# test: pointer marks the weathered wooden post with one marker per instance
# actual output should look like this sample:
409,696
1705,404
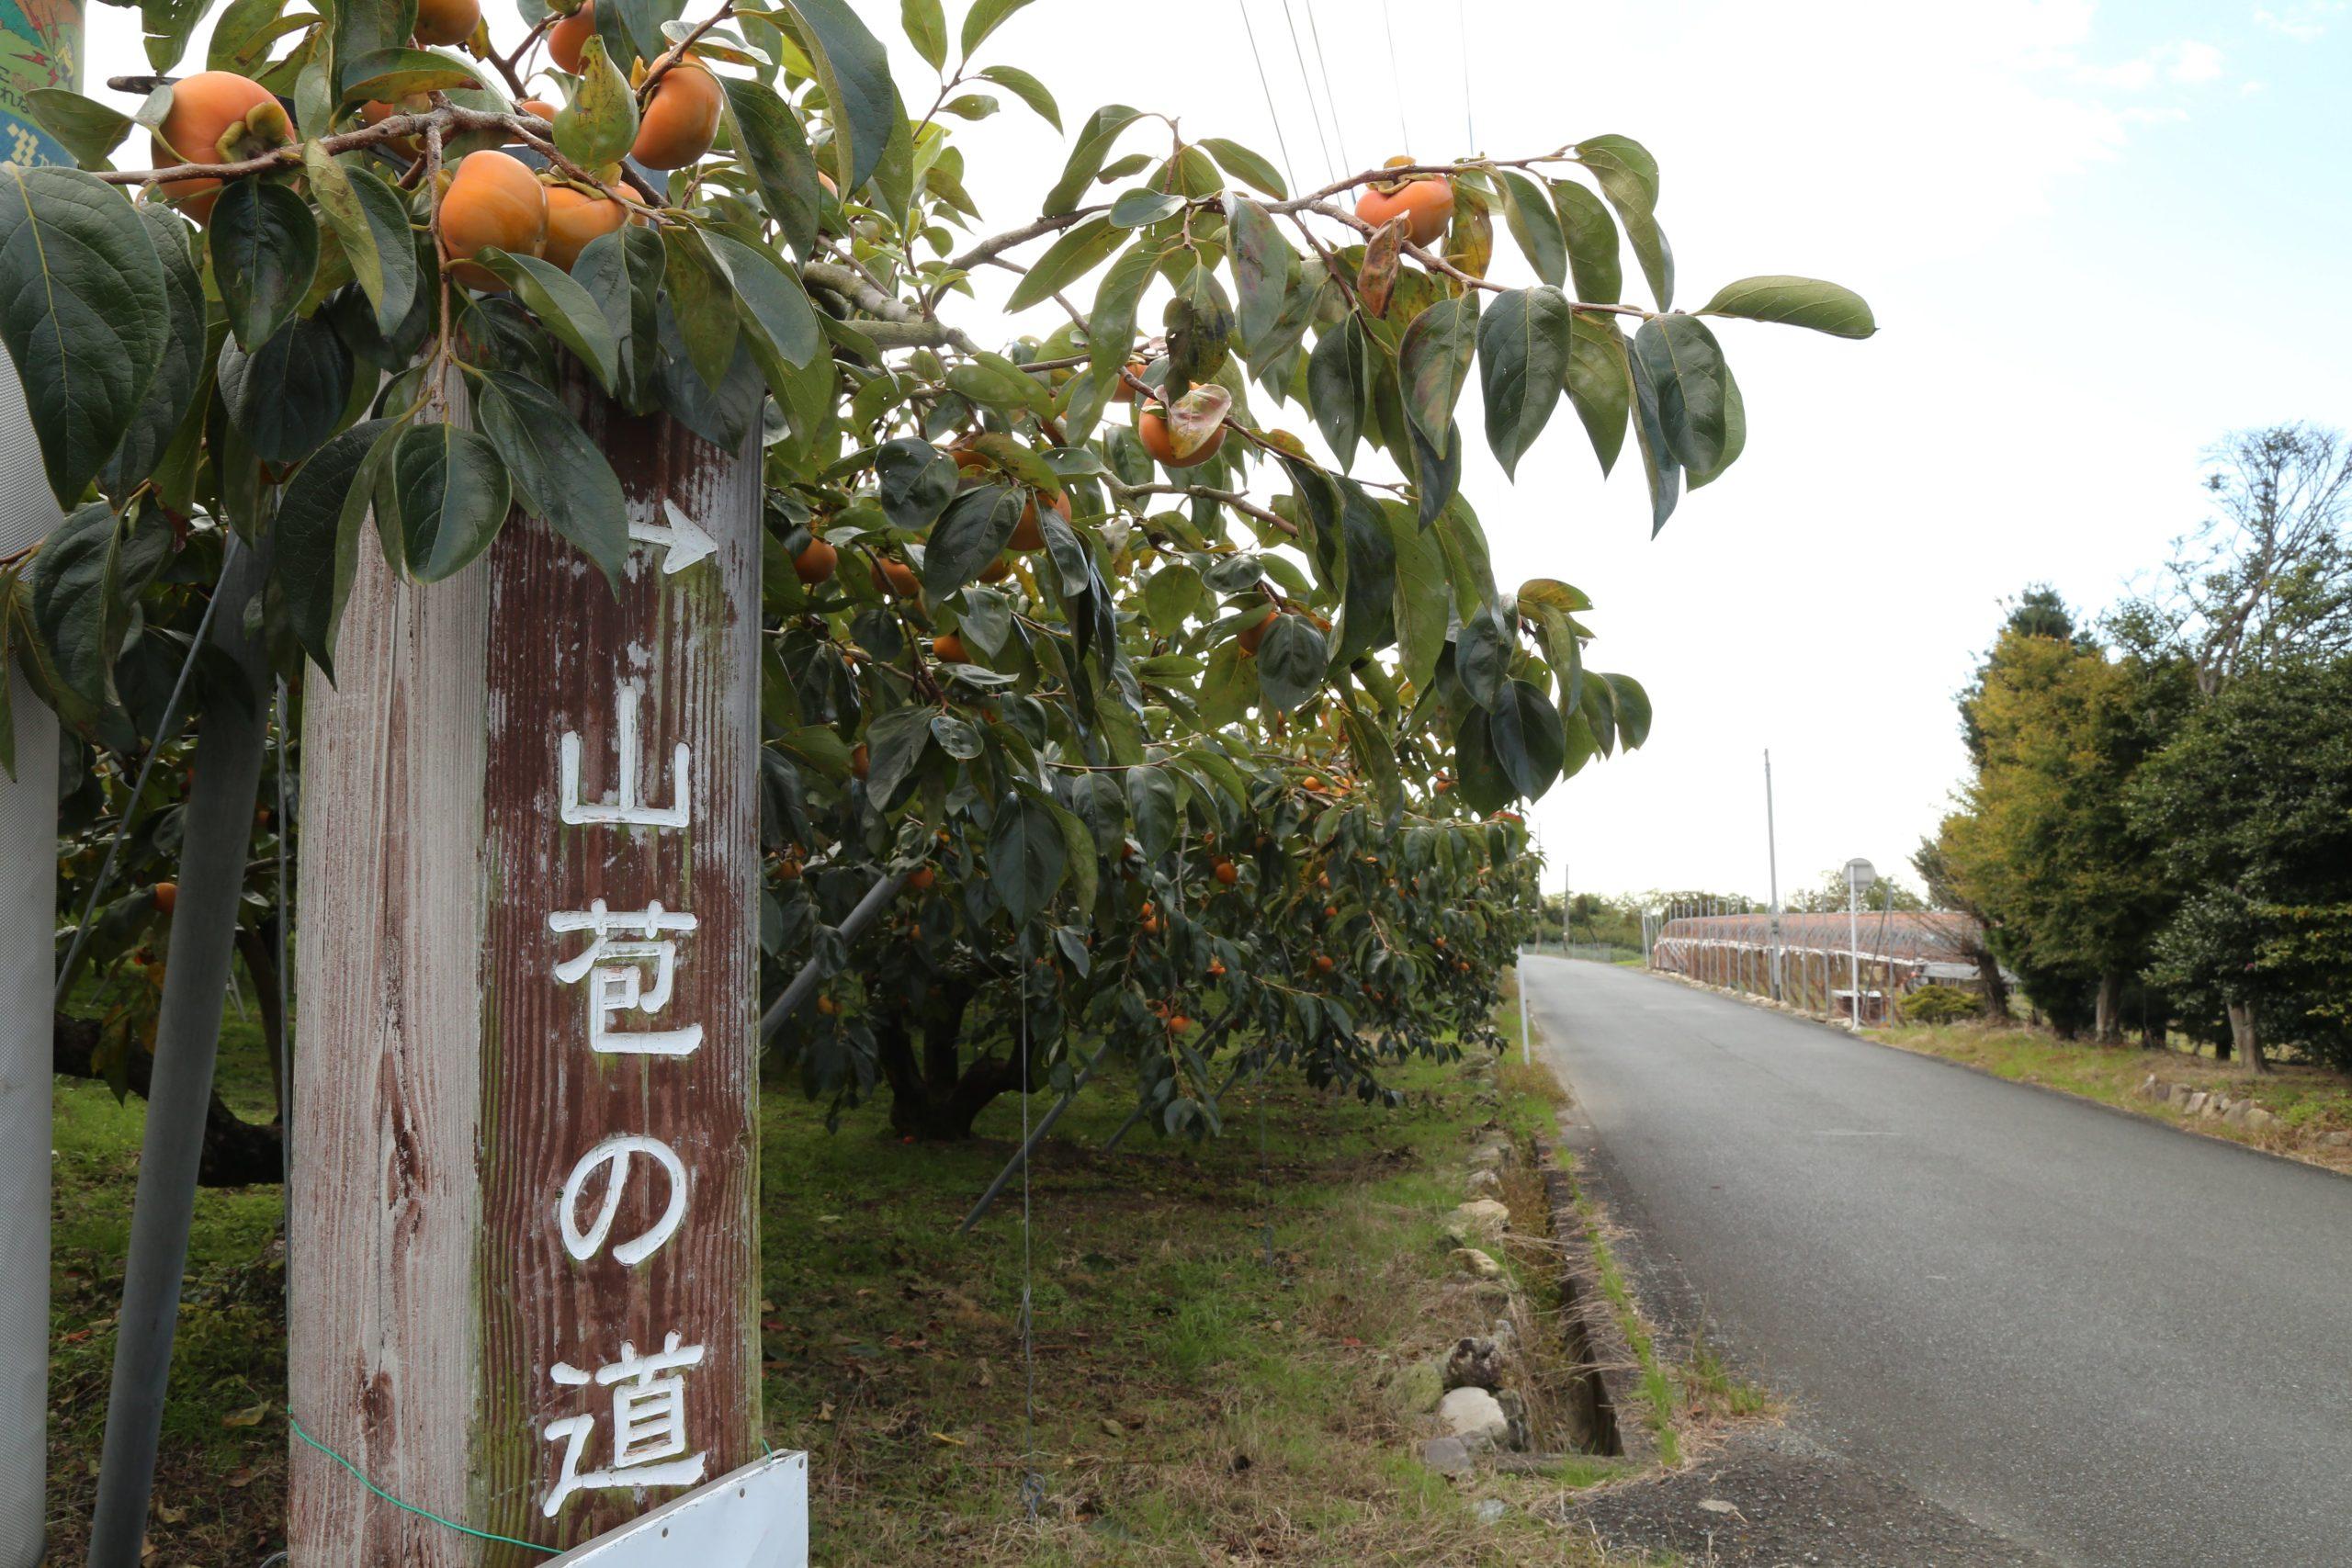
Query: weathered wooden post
523,1238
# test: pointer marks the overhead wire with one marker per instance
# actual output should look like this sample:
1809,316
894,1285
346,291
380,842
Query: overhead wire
1267,88
1298,52
1469,113
1396,78
1330,99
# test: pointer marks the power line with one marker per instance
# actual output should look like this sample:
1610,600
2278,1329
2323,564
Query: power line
1469,114
1298,52
1396,79
1323,66
1267,88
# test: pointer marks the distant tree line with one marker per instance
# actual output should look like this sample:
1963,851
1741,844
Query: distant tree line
2156,828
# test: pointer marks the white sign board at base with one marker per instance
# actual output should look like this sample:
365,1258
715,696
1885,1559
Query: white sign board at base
754,1517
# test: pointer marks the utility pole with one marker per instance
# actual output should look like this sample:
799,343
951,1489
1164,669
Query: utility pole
1772,859
27,951
1859,873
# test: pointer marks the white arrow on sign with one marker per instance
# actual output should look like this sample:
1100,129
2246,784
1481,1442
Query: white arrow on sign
682,537
753,1517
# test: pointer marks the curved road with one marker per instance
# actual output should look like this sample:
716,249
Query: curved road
2110,1341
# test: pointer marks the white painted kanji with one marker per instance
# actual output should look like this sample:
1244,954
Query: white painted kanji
647,1446
616,1158
628,805
615,969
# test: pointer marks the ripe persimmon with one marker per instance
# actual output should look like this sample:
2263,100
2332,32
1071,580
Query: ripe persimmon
815,564
1427,204
996,570
858,760
375,113
1324,964
1226,872
921,878
1029,533
216,117
540,107
948,649
897,578
569,36
1255,633
680,122
493,199
167,896
577,215
446,21
788,870
1151,429
1179,1024
827,1006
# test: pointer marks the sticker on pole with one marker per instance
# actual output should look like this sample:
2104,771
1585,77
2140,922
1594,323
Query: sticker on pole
753,1517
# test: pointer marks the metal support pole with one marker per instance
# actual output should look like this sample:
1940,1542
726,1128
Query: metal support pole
1772,859
1036,1136
868,908
1854,949
220,822
1526,1049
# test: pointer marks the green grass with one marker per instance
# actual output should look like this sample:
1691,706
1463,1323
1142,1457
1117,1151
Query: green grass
2308,1102
1194,1401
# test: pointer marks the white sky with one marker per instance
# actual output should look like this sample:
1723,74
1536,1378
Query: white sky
2096,237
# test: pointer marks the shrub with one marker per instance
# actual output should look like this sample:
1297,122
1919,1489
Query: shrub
1941,1004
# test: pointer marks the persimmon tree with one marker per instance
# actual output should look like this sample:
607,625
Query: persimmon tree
1193,731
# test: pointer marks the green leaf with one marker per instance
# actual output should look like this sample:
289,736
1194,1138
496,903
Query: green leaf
1265,267
1199,325
1142,207
1524,344
286,396
1599,385
264,247
1526,736
330,188
71,586
1026,857
1435,364
1424,600
1109,332
388,75
244,32
1591,236
1734,434
1482,654
855,71
1153,803
993,381
1080,250
1632,706
1229,687
314,540
1246,166
453,496
925,25
774,309
896,742
1798,302
917,480
1028,89
179,372
563,306
363,30
1292,657
599,124
1170,597
168,25
1628,177
1079,853
1086,157
1535,226
1659,467
971,533
83,126
703,302
622,272
1337,387
768,136
1685,365
558,473
83,310
985,17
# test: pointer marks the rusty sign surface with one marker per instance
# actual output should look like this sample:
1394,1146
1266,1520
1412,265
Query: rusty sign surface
619,1171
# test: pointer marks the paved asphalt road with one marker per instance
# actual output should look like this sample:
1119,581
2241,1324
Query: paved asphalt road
2107,1340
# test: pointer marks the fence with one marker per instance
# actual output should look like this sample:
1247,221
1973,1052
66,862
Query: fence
1807,961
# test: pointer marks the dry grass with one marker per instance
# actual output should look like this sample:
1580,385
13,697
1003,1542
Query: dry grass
2310,1102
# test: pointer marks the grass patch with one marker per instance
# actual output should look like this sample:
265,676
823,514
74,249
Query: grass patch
1214,1324
2311,1102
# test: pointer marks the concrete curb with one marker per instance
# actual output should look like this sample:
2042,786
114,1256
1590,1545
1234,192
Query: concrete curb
1594,1333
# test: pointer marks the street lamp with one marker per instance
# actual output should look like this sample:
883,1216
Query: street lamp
1859,873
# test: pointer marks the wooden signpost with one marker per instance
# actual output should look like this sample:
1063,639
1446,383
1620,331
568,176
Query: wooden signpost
524,1229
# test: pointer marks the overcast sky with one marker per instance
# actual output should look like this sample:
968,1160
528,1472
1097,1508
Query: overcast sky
2097,237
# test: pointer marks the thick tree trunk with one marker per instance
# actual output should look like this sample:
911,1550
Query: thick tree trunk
1995,988
2108,1018
937,1096
236,1153
2244,1035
